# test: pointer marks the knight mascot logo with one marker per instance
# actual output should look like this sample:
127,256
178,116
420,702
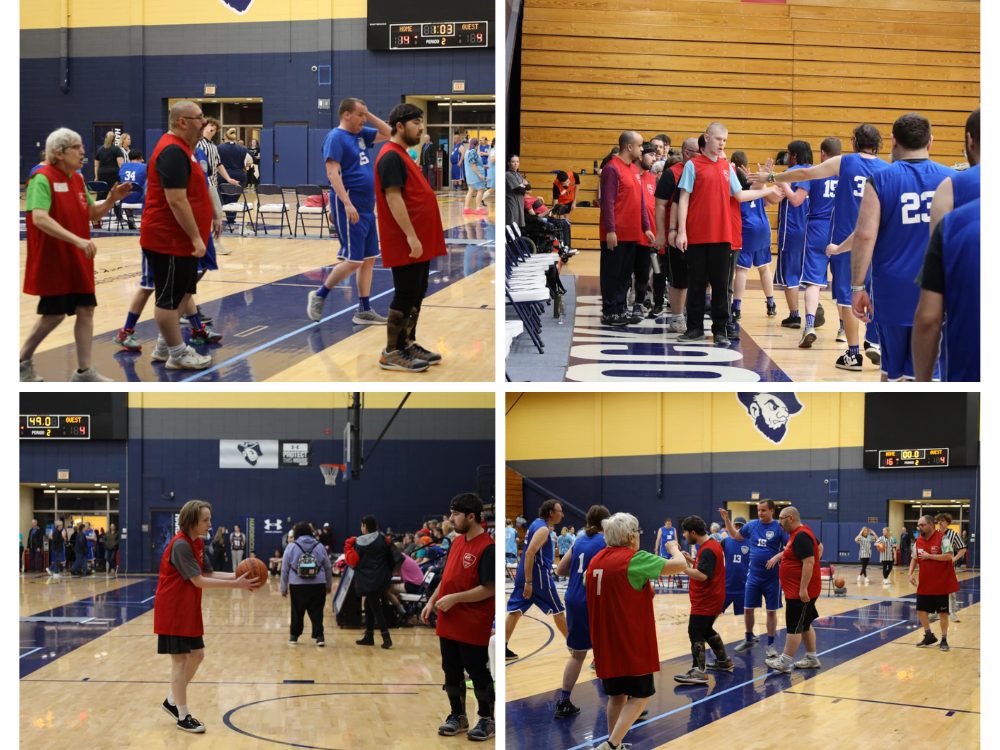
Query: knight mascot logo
771,412
240,6
251,452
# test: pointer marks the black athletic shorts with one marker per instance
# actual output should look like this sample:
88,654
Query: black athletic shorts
634,687
178,644
678,268
932,603
174,276
65,304
794,613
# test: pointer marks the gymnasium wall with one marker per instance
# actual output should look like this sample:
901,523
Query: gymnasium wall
772,72
676,454
125,61
440,445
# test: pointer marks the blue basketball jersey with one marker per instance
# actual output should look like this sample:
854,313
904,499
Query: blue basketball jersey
202,158
510,540
543,560
821,197
854,173
737,563
754,215
357,167
765,541
965,186
960,255
134,172
905,191
584,549
792,219
666,535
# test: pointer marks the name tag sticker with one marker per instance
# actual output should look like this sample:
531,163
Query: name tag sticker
61,187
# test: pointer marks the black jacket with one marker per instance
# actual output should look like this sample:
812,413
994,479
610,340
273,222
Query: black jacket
375,563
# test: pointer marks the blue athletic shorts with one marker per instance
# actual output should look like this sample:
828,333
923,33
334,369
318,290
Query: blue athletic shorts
816,260
897,352
357,241
207,262
543,595
790,258
756,250
579,625
840,268
736,598
770,590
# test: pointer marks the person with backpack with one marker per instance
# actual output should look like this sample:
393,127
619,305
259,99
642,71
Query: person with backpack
307,574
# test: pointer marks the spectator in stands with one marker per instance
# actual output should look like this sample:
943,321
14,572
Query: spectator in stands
517,187
326,538
306,574
274,564
237,545
107,161
253,171
36,543
564,188
220,549
510,543
373,560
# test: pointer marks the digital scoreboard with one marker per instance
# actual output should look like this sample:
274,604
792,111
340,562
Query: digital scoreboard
55,426
913,458
447,34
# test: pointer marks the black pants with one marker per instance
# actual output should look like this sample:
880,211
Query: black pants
307,598
457,659
864,566
410,284
708,264
564,229
733,255
886,568
616,276
660,278
641,264
700,632
374,613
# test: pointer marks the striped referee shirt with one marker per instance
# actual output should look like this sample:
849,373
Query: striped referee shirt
212,154
890,548
866,543
955,539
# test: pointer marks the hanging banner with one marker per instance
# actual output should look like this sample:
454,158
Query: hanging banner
248,454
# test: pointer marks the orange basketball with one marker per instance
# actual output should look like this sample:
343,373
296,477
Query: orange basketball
256,569
839,583
881,546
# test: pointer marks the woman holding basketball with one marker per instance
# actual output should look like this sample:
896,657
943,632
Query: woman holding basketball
184,571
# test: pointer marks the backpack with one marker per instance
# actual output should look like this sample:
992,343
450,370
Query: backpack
308,565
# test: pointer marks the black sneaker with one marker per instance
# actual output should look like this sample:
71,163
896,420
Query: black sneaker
172,710
367,640
733,331
874,353
848,361
320,643
484,730
619,320
737,314
565,709
696,335
820,317
656,312
929,640
453,725
792,321
944,647
772,309
635,316
606,320
725,665
511,656
720,339
191,724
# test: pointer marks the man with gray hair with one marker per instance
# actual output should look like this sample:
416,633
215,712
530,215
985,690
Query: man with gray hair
174,233
620,610
800,582
60,263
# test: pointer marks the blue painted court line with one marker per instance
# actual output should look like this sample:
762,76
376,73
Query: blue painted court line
677,709
109,610
29,653
552,635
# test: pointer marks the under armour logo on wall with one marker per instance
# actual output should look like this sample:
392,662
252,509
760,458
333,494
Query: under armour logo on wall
240,6
771,412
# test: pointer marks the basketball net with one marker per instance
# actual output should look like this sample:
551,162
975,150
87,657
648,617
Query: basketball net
330,472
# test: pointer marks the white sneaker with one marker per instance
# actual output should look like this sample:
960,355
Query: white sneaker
221,250
189,360
90,375
368,318
954,617
677,324
771,652
28,374
867,581
314,306
161,353
808,662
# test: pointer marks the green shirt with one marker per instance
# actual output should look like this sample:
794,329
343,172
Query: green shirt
643,567
40,194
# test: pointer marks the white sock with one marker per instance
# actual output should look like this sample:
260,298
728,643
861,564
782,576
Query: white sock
177,351
182,711
810,654
786,659
170,699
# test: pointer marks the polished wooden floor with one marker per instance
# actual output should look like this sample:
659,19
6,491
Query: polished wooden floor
781,345
107,692
458,318
878,695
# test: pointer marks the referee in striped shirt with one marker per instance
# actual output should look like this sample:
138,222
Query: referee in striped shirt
958,549
865,541
887,553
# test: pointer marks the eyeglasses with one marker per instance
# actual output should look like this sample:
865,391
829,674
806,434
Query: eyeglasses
199,116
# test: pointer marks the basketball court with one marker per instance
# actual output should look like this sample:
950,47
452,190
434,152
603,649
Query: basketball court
671,455
88,664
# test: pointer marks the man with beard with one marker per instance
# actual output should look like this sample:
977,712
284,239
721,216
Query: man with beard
409,224
464,603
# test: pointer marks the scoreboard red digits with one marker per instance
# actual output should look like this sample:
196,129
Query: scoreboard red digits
437,35
913,458
55,426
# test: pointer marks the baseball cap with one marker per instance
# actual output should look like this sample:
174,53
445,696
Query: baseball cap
739,521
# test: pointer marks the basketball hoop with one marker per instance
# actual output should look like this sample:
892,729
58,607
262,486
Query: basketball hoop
330,472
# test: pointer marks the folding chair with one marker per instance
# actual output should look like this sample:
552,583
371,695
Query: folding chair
302,192
241,206
827,574
271,200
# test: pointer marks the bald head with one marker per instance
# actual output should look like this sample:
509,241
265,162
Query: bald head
186,121
629,146
183,109
716,135
790,512
789,519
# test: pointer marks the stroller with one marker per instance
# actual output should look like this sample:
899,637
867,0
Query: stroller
413,604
